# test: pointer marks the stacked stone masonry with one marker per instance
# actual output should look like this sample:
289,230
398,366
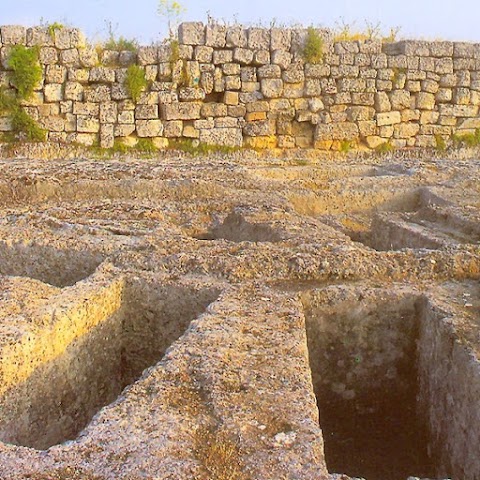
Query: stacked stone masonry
251,87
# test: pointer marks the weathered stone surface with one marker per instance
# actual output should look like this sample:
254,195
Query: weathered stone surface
425,101
222,136
336,131
87,124
203,54
13,35
191,33
107,136
259,38
382,102
244,56
281,58
173,128
213,110
189,94
149,128
272,87
181,111
261,57
388,118
269,71
236,37
215,35
102,75
53,92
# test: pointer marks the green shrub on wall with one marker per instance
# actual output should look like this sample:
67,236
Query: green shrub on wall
135,82
26,71
313,48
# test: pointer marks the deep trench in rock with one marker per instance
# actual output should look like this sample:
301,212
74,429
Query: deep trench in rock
60,398
366,377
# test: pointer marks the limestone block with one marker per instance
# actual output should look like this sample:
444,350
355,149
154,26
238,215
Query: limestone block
388,118
87,139
236,37
97,93
189,131
88,57
463,78
413,86
55,74
245,97
86,108
204,124
261,143
126,58
259,128
218,81
461,96
374,141
232,82
362,60
66,107
293,74
317,70
406,130
269,71
379,61
441,49
248,74
427,117
259,38
315,104
463,50
448,121
39,37
236,110
53,92
66,38
386,131
79,75
185,52
408,47
367,128
280,39
189,94
203,54
400,99
430,86
359,113
249,87
213,110
124,130
255,116
127,116
443,66
166,96
73,91
109,57
336,131
181,111
70,57
425,141
191,33
207,82
13,35
313,87
286,141
351,85
231,137
382,102
282,58
366,99
271,87
119,92
222,56
226,122
244,56
427,64
173,128
87,124
408,115
149,128
107,136
102,75
469,124
48,55
261,57
215,35
146,112
231,69
425,101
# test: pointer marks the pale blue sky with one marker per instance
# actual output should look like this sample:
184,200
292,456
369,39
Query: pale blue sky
431,19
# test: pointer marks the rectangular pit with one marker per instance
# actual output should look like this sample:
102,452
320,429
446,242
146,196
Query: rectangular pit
60,377
390,403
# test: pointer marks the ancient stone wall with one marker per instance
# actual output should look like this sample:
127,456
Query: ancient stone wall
251,87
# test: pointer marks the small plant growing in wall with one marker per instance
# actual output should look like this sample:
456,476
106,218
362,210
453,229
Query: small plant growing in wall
172,11
25,75
26,71
53,28
313,48
440,143
135,82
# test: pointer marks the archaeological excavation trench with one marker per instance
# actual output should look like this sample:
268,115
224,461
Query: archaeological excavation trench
94,349
396,393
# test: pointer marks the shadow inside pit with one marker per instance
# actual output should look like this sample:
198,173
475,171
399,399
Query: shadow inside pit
57,401
363,358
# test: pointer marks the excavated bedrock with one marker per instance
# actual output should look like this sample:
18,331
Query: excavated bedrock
239,318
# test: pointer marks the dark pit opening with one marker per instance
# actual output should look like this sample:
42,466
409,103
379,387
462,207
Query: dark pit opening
60,268
58,400
363,358
236,229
